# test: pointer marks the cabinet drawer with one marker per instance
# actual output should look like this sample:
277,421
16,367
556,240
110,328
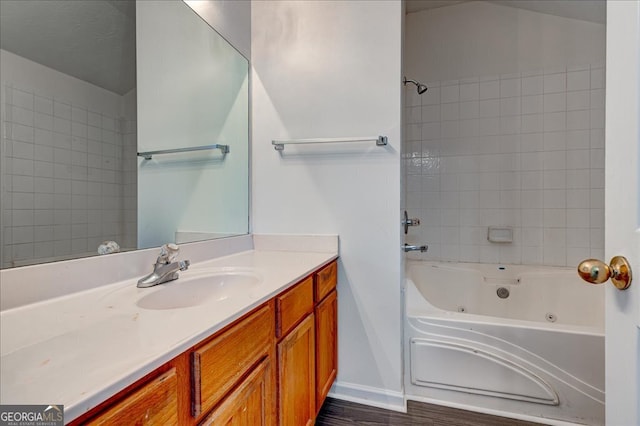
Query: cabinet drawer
154,403
326,280
217,365
293,305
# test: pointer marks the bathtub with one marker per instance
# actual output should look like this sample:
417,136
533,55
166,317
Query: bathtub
519,341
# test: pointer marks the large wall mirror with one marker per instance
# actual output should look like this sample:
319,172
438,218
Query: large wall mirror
88,85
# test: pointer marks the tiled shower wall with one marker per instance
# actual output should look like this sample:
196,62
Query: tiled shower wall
63,178
522,150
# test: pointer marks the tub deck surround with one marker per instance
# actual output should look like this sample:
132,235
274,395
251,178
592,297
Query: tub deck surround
78,349
505,356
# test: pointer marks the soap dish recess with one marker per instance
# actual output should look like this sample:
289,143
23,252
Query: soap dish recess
500,234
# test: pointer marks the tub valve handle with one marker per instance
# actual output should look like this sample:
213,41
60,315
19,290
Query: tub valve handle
595,271
406,222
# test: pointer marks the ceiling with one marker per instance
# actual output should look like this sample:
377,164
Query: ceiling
90,40
585,10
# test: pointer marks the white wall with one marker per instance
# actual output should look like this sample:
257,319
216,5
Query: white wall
510,133
332,69
230,18
62,186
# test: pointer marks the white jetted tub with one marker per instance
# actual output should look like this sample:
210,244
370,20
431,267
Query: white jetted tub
522,341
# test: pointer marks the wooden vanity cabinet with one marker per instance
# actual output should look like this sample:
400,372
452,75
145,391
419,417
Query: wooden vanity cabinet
307,355
274,365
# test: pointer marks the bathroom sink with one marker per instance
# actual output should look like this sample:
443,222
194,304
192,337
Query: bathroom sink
196,288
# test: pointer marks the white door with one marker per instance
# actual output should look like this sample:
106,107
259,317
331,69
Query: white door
622,212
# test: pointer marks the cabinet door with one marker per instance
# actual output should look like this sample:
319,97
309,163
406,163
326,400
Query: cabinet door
250,403
296,375
326,346
153,404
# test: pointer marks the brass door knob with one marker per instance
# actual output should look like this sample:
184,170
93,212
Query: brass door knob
596,272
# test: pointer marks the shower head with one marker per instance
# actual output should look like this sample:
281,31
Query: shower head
419,86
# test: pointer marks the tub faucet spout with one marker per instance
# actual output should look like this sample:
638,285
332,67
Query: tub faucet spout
421,249
165,269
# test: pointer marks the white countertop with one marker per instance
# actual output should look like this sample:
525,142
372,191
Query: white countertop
82,348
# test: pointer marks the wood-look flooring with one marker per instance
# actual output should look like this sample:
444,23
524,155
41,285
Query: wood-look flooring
343,413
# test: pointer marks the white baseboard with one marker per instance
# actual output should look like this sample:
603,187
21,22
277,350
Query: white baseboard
375,397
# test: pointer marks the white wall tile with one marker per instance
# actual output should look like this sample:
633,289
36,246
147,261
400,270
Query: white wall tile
43,105
531,142
597,98
62,125
578,199
43,121
597,78
79,115
578,80
22,116
450,94
578,139
532,123
578,159
597,119
578,218
555,141
554,102
21,133
510,106
532,104
489,90
469,110
510,125
488,126
509,87
554,83
555,179
430,113
532,85
597,138
450,111
431,131
24,150
430,97
518,151
22,99
62,110
597,158
578,100
469,92
579,120
555,121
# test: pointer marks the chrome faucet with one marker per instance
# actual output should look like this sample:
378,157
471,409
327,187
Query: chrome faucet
421,249
165,269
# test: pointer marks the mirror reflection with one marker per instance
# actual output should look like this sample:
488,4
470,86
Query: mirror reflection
73,120
193,194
